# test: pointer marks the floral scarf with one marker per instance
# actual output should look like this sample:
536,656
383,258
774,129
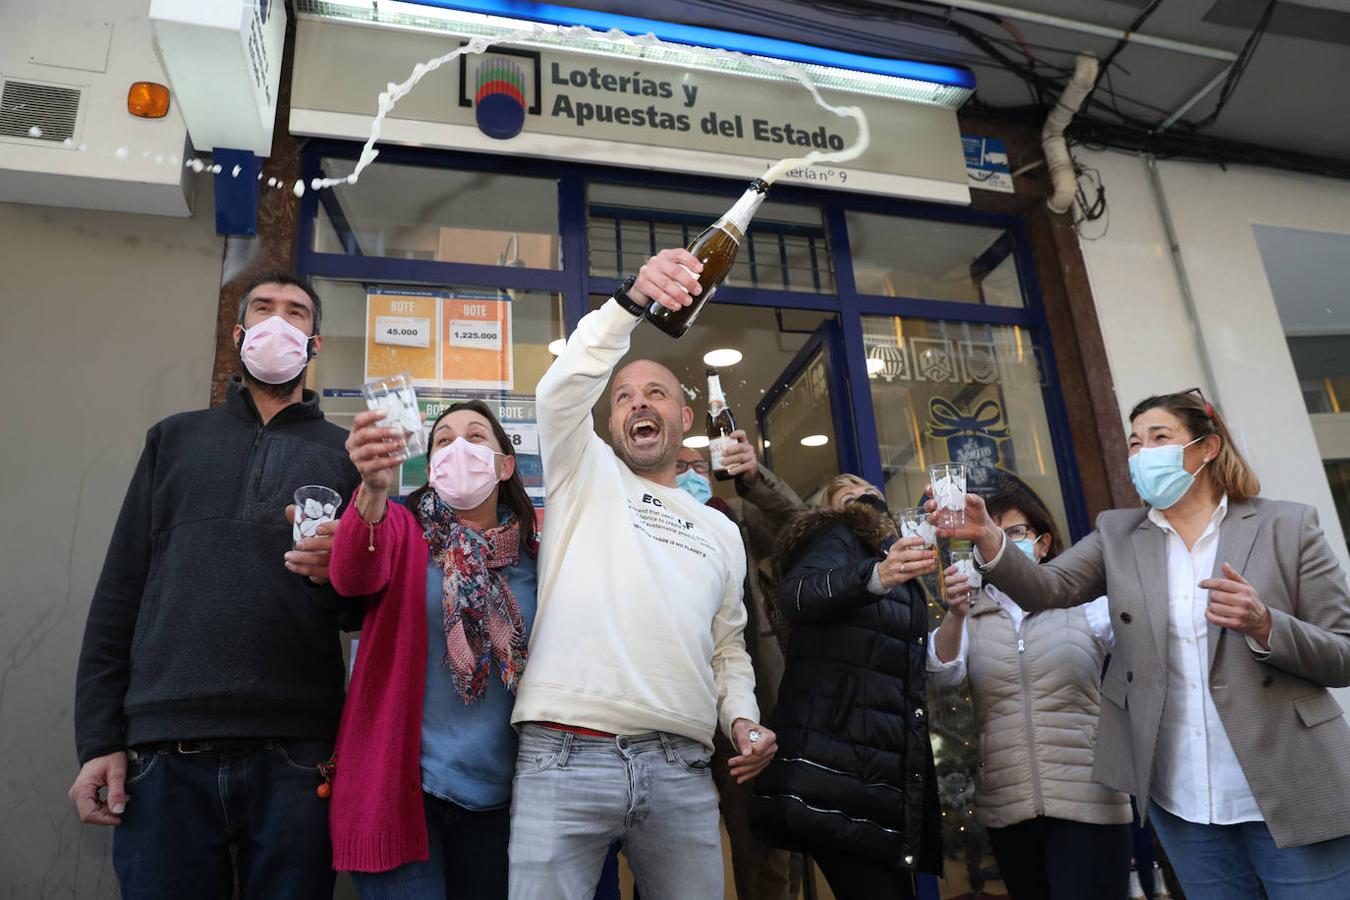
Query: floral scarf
482,617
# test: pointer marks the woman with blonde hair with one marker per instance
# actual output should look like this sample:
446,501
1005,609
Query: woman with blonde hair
1231,620
853,783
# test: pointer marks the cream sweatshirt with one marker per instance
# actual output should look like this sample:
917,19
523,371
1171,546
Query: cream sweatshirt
640,617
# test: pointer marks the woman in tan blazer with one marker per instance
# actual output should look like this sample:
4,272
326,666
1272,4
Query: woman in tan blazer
1231,619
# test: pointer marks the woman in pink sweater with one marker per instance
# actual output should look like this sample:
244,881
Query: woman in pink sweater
425,751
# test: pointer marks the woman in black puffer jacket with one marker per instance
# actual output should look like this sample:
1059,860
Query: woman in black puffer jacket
853,782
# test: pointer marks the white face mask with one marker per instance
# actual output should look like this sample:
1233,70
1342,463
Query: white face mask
1159,474
275,351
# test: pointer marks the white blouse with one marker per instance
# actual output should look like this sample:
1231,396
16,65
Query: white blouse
1196,773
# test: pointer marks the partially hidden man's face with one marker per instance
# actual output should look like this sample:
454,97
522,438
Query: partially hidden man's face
647,416
689,458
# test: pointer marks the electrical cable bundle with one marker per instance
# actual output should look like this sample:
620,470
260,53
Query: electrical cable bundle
1102,122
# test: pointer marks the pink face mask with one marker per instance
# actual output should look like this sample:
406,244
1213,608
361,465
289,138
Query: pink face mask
464,474
275,351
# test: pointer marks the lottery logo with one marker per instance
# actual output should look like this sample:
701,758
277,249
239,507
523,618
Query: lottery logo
499,98
502,87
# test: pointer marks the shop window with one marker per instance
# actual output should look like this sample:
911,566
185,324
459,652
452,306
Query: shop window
964,392
444,215
922,259
1322,363
1338,477
458,342
787,248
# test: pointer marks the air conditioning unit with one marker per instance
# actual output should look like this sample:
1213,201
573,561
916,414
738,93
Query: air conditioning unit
66,138
40,111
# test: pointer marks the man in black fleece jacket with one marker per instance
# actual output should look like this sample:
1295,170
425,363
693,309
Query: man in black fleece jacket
211,676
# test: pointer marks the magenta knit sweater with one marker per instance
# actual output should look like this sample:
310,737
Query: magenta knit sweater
376,817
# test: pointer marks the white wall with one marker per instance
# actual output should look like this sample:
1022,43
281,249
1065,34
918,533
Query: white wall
109,325
1150,343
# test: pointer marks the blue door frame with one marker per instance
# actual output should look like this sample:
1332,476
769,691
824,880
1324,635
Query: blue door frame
575,283
826,339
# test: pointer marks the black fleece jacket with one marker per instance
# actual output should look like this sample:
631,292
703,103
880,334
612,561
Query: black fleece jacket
196,629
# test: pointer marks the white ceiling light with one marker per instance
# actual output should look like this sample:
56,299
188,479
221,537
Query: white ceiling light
720,359
556,348
815,440
682,46
696,441
875,365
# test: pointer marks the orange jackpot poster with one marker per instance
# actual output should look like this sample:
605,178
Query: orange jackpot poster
401,334
476,343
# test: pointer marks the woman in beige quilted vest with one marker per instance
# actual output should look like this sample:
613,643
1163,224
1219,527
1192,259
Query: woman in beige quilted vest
1035,682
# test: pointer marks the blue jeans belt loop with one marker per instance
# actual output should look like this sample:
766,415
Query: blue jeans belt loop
669,746
565,752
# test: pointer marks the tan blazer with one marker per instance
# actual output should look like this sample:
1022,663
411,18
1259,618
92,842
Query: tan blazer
1288,731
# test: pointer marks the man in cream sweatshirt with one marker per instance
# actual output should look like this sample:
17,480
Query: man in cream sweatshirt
637,653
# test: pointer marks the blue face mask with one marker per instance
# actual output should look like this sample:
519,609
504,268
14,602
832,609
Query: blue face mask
695,485
1027,546
1159,474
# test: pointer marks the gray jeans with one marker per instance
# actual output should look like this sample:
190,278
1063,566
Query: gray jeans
574,795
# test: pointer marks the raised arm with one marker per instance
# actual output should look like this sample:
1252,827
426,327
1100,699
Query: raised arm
828,579
364,552
568,391
364,548
1075,576
770,506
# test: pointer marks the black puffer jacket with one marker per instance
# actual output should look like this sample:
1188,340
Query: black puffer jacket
854,770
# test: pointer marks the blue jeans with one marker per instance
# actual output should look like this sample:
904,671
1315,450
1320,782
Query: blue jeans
466,858
187,812
573,796
1227,861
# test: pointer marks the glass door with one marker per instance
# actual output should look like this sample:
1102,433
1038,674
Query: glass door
804,420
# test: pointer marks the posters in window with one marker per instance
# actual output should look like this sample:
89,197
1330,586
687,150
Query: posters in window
445,339
517,415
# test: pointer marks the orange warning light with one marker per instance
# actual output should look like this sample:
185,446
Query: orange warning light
148,100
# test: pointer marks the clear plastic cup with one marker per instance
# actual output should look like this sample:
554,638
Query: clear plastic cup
964,560
948,482
914,523
314,505
395,397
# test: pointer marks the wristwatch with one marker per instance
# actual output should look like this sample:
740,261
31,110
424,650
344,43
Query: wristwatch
627,302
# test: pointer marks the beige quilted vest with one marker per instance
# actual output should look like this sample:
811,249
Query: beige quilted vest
1036,695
